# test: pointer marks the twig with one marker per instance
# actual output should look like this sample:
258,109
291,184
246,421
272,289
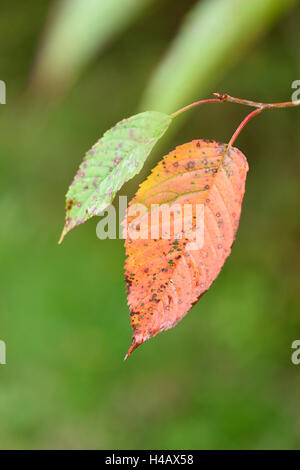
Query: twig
254,104
223,98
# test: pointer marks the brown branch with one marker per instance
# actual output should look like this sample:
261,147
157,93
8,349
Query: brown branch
223,98
254,104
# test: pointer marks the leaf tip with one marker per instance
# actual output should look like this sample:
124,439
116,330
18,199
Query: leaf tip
63,234
134,345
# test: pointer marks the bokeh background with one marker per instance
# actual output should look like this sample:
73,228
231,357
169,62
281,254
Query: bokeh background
223,378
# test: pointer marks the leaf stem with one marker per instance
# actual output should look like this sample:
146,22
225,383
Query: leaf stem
192,105
243,123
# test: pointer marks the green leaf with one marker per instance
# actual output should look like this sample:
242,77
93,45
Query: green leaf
211,38
113,160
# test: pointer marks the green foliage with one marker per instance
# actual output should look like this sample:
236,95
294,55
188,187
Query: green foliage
212,36
77,30
113,160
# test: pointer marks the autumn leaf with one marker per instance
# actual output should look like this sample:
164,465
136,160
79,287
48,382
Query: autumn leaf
113,160
166,276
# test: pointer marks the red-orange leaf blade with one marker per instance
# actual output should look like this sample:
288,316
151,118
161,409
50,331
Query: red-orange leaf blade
164,277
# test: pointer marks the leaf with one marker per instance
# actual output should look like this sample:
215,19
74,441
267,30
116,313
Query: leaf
165,277
76,31
213,35
113,160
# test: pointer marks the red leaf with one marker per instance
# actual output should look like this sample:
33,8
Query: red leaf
165,277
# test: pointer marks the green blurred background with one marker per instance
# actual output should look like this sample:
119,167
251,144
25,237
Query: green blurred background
223,378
